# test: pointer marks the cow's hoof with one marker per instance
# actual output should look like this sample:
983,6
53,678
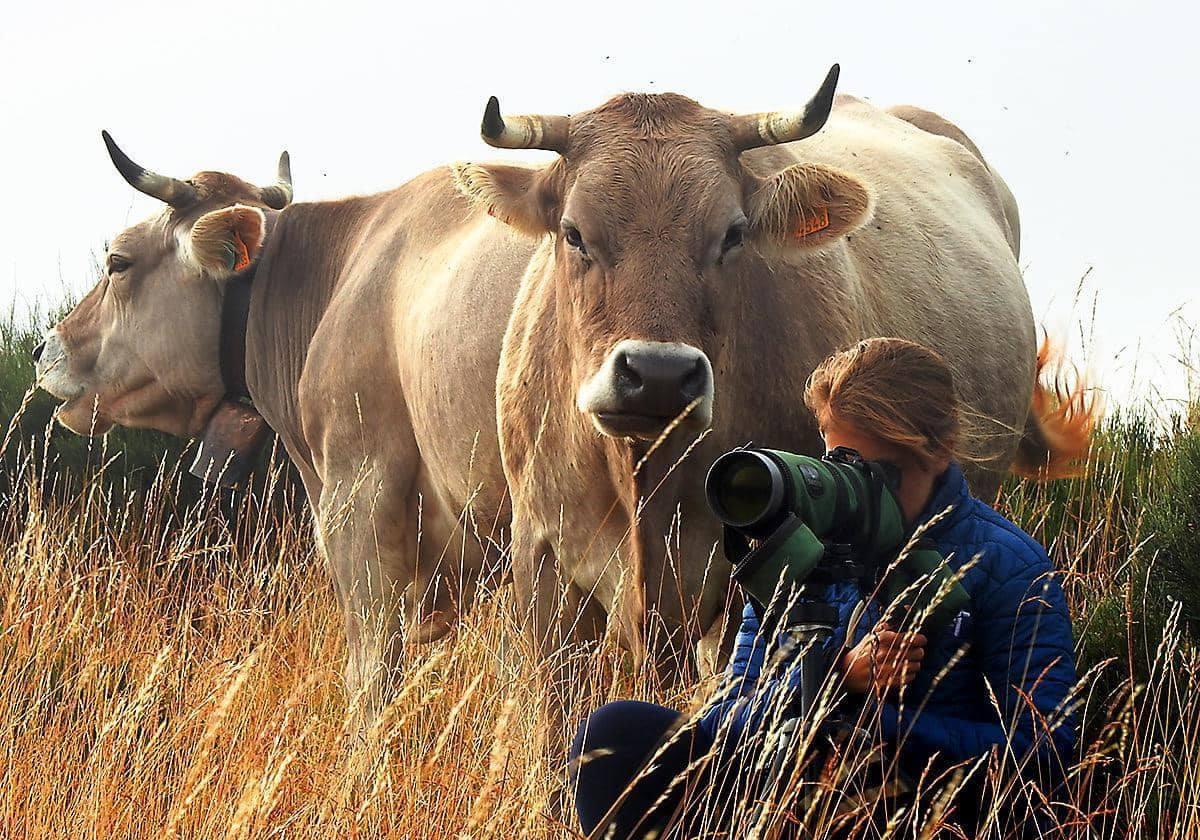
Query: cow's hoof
432,627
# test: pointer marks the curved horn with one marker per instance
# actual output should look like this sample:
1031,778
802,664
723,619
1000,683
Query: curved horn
177,193
771,127
523,132
279,195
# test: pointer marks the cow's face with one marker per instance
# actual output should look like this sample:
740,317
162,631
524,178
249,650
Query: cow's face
142,349
653,217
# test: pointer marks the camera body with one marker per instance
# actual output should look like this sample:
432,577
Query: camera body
816,520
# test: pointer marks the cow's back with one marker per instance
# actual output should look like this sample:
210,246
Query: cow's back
939,125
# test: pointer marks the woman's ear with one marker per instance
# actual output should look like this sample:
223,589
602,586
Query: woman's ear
226,241
527,199
808,205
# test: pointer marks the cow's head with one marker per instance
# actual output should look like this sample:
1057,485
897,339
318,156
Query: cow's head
653,213
142,349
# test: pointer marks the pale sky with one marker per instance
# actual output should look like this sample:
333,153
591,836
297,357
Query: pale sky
1086,109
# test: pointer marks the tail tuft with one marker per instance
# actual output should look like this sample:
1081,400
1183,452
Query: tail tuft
1062,417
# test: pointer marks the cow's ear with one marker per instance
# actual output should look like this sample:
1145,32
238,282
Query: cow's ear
226,241
808,205
524,198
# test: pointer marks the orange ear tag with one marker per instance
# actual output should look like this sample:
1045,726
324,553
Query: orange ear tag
241,257
811,224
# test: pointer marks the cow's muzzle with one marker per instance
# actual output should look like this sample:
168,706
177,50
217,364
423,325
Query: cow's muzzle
52,368
643,386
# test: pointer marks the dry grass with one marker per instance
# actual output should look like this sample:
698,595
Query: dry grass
166,676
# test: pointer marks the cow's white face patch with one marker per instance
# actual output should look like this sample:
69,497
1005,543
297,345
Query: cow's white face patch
644,386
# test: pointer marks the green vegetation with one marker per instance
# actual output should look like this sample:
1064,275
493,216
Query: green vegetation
1125,533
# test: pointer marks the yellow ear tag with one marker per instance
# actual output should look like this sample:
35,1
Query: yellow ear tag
811,224
241,253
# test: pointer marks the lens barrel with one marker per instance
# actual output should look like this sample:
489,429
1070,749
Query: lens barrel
746,489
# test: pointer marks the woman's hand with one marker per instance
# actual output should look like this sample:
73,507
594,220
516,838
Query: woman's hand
883,660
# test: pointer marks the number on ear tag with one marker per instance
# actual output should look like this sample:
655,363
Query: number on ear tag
811,224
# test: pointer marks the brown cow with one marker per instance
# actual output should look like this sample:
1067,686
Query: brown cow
691,268
370,348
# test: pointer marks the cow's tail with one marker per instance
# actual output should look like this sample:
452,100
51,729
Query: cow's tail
1062,418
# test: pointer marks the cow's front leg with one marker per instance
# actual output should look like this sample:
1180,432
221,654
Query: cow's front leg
383,546
555,612
558,617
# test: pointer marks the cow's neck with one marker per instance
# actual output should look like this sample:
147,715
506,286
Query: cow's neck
235,311
235,314
235,432
538,416
296,277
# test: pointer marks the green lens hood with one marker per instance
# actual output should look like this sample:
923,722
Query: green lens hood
785,559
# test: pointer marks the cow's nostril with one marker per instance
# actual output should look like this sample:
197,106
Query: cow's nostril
696,381
627,377
37,351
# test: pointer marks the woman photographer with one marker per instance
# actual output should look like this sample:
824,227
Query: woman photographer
997,681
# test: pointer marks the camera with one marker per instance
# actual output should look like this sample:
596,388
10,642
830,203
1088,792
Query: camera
793,522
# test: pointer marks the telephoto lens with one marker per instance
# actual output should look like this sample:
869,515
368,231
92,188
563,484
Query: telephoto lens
784,502
840,497
797,509
746,490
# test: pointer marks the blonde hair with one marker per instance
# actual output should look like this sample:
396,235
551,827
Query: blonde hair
897,391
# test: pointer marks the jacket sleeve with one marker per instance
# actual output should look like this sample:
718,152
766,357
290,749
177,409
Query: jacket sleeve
752,697
749,649
1024,646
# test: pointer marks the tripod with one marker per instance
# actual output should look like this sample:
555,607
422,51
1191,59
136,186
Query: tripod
807,627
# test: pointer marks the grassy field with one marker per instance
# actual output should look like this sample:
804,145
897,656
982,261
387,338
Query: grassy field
170,662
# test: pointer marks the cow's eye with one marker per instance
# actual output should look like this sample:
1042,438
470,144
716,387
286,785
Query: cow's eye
117,264
733,237
574,238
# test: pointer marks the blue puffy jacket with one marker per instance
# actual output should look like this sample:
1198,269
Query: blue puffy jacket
1015,641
